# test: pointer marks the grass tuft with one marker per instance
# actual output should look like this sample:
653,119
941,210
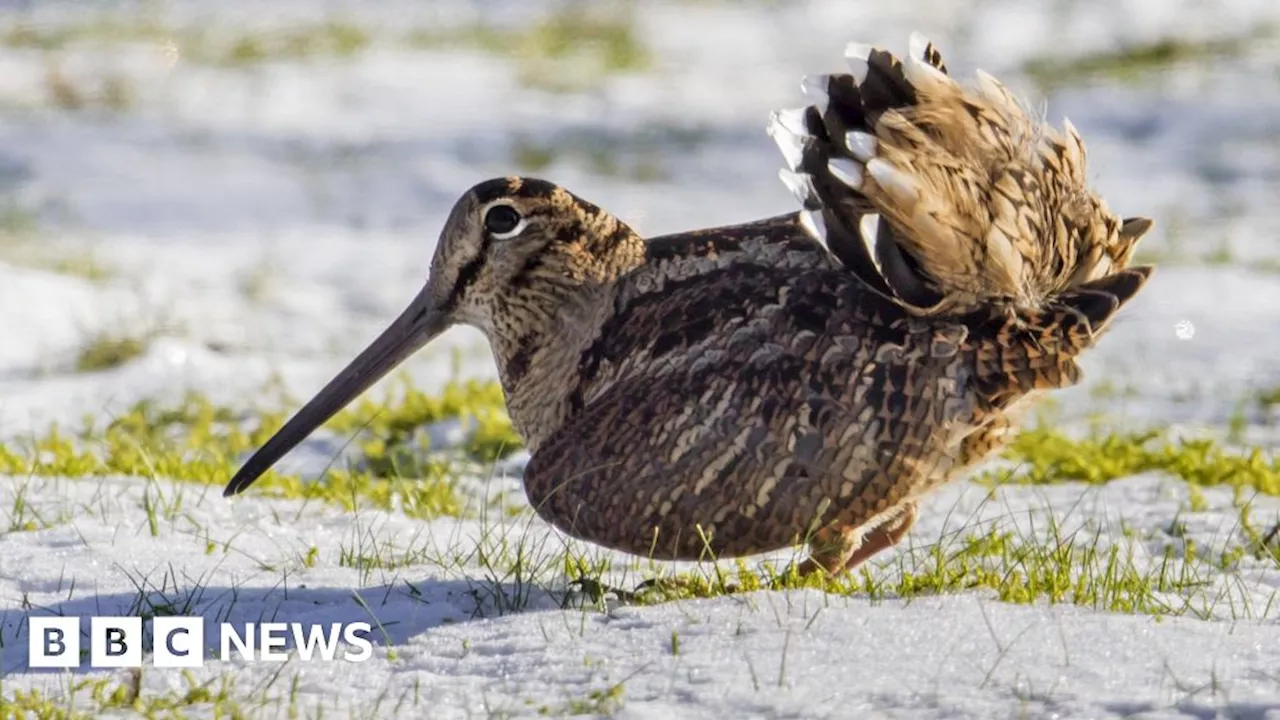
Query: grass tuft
210,46
110,92
631,154
1082,568
394,433
395,469
570,49
1047,456
1132,63
1269,398
603,703
109,350
86,698
328,39
197,441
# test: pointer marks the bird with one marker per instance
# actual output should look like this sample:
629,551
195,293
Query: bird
801,380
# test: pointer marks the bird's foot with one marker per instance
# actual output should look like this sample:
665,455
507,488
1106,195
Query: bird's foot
679,587
662,589
837,551
597,591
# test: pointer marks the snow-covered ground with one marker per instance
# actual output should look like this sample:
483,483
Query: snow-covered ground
264,220
452,648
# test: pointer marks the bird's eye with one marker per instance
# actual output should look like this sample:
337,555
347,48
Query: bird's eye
503,221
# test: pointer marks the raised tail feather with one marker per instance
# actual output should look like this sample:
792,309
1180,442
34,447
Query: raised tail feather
1036,350
953,200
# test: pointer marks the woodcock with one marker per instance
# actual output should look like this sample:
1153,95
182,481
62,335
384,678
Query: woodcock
805,378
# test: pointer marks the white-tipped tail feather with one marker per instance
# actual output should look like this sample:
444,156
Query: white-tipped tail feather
952,198
861,145
846,171
815,88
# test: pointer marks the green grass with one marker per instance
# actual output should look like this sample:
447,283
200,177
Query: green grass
632,154
110,92
1101,568
1183,241
531,156
393,426
1082,571
20,516
1218,257
257,281
605,702
1086,568
1044,455
567,50
1090,566
1269,398
1269,265
23,34
108,350
1135,62
22,244
87,698
198,442
327,39
1107,389
17,221
86,266
197,44
26,242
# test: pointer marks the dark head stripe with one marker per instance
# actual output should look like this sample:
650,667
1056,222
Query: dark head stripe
518,187
469,273
485,193
531,189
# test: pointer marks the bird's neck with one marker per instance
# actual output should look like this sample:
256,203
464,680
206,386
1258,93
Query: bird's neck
549,316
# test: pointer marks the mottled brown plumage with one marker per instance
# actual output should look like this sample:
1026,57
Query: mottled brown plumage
803,378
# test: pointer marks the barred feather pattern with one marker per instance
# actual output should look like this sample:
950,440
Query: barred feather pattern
947,198
805,378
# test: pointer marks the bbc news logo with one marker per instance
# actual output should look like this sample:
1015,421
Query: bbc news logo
179,642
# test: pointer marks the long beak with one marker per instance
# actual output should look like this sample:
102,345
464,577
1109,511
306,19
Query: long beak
418,325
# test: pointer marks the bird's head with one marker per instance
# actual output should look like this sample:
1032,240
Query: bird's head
511,251
507,236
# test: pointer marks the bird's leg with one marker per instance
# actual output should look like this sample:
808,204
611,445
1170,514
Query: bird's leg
841,549
598,591
883,537
829,549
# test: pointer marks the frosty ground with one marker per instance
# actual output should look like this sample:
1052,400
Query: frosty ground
248,212
455,651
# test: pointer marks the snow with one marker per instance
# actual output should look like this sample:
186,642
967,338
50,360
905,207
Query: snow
265,222
765,654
